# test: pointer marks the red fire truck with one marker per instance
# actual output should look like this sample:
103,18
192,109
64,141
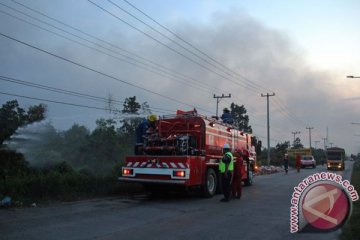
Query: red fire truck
184,150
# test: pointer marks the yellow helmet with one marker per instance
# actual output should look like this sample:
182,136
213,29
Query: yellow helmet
152,118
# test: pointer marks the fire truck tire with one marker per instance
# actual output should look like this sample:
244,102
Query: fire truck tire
211,182
249,181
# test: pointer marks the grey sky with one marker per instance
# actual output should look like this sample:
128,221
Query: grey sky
262,59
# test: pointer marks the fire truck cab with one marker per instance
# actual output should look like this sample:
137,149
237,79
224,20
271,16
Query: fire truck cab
185,150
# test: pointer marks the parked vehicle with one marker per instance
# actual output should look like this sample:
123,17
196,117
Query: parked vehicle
308,161
184,151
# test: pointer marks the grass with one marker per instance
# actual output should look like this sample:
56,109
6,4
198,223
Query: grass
59,183
351,230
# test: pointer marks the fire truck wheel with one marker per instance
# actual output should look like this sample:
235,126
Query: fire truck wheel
210,183
249,180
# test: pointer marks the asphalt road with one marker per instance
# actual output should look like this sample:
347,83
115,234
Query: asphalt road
262,213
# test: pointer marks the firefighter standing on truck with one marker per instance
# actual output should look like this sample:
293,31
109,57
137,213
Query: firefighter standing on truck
141,131
226,167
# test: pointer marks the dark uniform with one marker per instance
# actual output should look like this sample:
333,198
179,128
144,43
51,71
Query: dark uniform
298,162
226,168
237,184
142,131
286,163
227,117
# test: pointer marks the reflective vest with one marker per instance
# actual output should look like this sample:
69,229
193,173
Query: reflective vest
231,164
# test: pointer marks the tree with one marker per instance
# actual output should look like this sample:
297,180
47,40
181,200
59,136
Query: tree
279,152
103,149
276,153
241,120
145,108
129,124
36,113
282,147
298,144
76,139
12,117
131,106
319,155
43,151
257,144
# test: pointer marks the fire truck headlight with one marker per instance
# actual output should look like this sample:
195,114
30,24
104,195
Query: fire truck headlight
178,173
127,171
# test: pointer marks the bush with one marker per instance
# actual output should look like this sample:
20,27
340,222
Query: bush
59,183
352,228
12,164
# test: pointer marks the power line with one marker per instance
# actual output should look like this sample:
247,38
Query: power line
160,70
44,87
284,111
71,93
184,48
218,99
255,85
172,72
170,48
26,83
287,112
99,72
177,36
55,32
53,101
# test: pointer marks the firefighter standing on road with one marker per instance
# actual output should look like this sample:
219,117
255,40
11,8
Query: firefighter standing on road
226,168
237,184
286,163
298,162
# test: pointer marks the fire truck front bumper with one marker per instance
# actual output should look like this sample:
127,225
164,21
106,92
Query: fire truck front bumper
155,175
156,181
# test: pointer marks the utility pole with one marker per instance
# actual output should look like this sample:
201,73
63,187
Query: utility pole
325,139
310,134
268,125
218,99
294,133
316,143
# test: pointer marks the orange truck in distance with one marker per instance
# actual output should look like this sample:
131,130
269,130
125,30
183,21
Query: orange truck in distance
335,158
